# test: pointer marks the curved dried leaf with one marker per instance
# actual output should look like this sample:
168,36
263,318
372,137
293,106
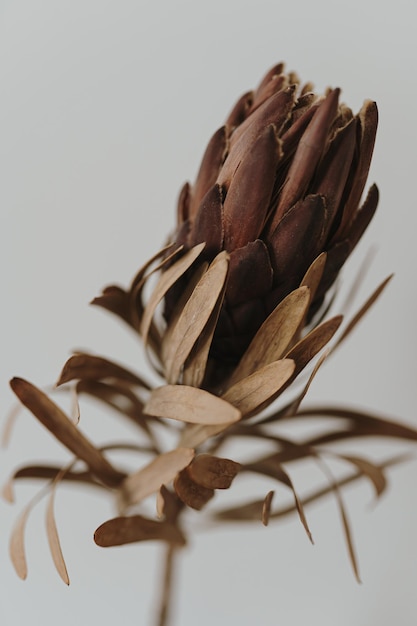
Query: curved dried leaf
275,335
122,530
358,316
53,538
83,366
166,280
57,422
17,538
335,488
189,404
364,424
17,544
190,493
275,470
252,510
213,472
195,316
311,344
158,472
195,365
369,470
266,508
254,391
9,424
75,407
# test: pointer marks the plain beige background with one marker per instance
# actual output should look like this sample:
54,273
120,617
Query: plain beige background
105,110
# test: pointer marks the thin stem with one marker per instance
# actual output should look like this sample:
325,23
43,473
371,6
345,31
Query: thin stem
165,604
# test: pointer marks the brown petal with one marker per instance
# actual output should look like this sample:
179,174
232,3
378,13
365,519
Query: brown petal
208,223
363,216
368,122
274,111
240,111
333,172
274,71
277,83
298,239
250,273
249,195
183,206
307,156
213,159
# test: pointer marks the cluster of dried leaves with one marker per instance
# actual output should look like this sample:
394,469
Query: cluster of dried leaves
179,304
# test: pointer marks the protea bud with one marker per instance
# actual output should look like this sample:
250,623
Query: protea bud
279,184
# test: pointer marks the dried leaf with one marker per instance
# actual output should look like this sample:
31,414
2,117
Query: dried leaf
275,335
166,280
195,316
9,423
252,510
193,495
260,387
266,508
158,472
17,544
17,539
369,470
122,530
367,305
55,420
195,364
53,538
83,366
213,472
275,470
311,344
75,407
189,404
346,529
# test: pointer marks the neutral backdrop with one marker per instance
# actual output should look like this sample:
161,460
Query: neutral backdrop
105,110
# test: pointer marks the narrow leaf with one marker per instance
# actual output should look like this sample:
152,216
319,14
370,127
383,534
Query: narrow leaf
166,280
266,508
149,479
55,420
83,366
122,530
254,391
53,538
275,335
311,344
189,404
195,316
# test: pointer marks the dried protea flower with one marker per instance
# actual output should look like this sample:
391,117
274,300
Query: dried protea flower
279,184
237,311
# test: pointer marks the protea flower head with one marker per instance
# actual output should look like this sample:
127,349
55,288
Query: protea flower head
279,184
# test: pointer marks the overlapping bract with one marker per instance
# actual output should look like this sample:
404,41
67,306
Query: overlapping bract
279,183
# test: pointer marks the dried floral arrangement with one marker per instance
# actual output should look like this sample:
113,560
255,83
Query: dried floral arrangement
233,313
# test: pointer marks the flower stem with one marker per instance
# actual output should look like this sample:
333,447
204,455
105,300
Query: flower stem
165,601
